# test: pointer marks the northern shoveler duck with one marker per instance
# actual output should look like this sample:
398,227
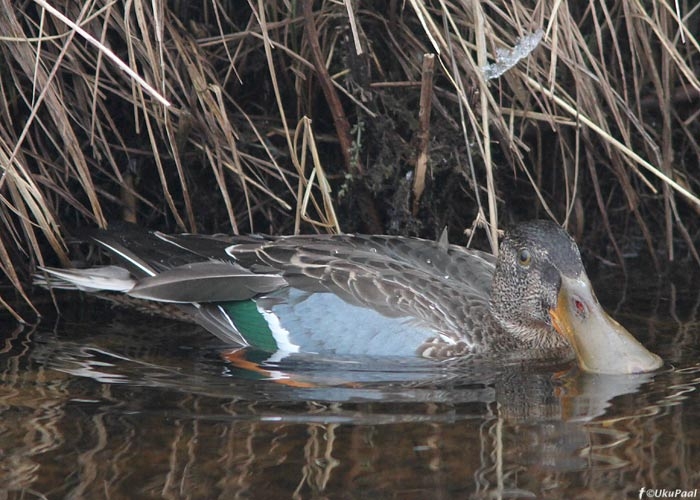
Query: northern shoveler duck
358,295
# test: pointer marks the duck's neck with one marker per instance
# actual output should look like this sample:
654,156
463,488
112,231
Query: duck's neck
521,333
534,336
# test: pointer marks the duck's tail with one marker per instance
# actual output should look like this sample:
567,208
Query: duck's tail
94,279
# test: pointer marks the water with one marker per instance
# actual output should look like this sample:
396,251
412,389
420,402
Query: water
104,403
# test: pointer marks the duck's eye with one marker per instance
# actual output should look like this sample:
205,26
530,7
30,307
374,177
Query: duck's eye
524,257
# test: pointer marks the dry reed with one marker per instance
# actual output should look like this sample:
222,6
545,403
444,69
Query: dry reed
278,117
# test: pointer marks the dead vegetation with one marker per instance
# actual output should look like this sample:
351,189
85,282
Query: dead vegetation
285,117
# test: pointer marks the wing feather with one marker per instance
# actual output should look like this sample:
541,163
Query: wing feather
210,281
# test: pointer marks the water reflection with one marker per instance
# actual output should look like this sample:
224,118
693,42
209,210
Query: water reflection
109,405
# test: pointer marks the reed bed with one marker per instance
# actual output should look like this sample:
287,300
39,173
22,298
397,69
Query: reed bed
400,117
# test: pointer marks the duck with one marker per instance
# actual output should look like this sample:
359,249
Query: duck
371,295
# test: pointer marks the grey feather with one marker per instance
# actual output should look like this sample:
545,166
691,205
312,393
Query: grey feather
210,281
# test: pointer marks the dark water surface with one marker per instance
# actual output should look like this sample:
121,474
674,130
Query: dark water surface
107,403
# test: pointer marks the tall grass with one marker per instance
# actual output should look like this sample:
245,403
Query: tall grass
280,116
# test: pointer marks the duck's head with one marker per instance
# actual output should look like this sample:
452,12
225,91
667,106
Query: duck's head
541,295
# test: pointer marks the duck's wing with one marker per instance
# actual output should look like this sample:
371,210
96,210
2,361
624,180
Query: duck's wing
444,288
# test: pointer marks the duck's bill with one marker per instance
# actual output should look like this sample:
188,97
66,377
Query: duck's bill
602,345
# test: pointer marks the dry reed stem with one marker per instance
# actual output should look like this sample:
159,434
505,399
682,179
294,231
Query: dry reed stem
426,96
317,177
